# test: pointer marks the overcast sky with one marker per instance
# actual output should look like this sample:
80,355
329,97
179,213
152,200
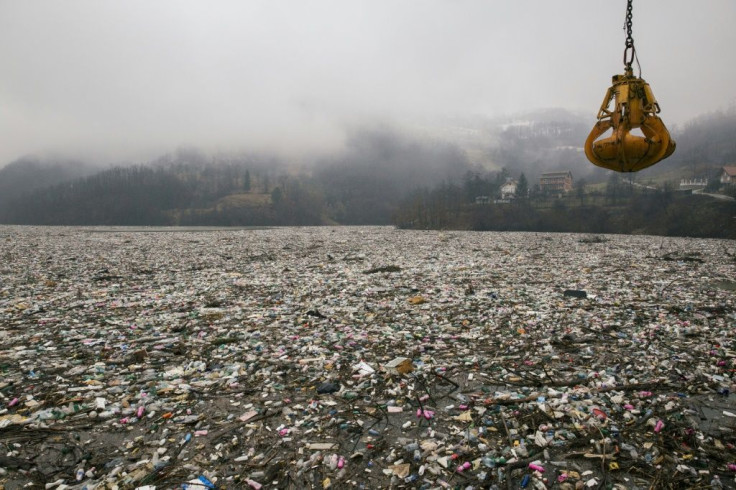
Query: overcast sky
133,79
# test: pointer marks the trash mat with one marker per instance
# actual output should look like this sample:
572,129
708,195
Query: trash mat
296,358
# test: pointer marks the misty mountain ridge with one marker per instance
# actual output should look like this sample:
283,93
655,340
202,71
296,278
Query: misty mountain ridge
551,129
30,173
359,184
530,142
707,139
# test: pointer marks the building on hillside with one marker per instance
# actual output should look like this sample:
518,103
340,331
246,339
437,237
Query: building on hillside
728,175
693,184
556,182
508,190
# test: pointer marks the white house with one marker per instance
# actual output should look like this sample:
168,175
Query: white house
508,190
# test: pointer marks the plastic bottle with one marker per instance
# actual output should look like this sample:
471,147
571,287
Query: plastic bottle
411,447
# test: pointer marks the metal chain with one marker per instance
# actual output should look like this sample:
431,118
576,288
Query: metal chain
628,24
629,51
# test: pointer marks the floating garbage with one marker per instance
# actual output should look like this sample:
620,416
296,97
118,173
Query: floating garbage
297,358
399,365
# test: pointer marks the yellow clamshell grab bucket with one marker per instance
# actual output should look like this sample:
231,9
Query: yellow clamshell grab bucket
634,107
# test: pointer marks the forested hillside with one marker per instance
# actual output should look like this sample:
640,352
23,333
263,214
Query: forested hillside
361,185
27,174
384,176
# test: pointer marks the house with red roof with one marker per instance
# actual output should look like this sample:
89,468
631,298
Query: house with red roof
728,175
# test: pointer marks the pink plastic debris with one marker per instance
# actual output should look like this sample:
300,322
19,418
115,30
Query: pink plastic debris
253,484
427,414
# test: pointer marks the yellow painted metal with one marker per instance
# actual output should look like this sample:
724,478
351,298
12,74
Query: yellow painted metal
634,106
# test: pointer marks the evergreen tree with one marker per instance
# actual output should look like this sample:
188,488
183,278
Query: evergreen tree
580,190
502,177
246,182
522,187
613,188
277,196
